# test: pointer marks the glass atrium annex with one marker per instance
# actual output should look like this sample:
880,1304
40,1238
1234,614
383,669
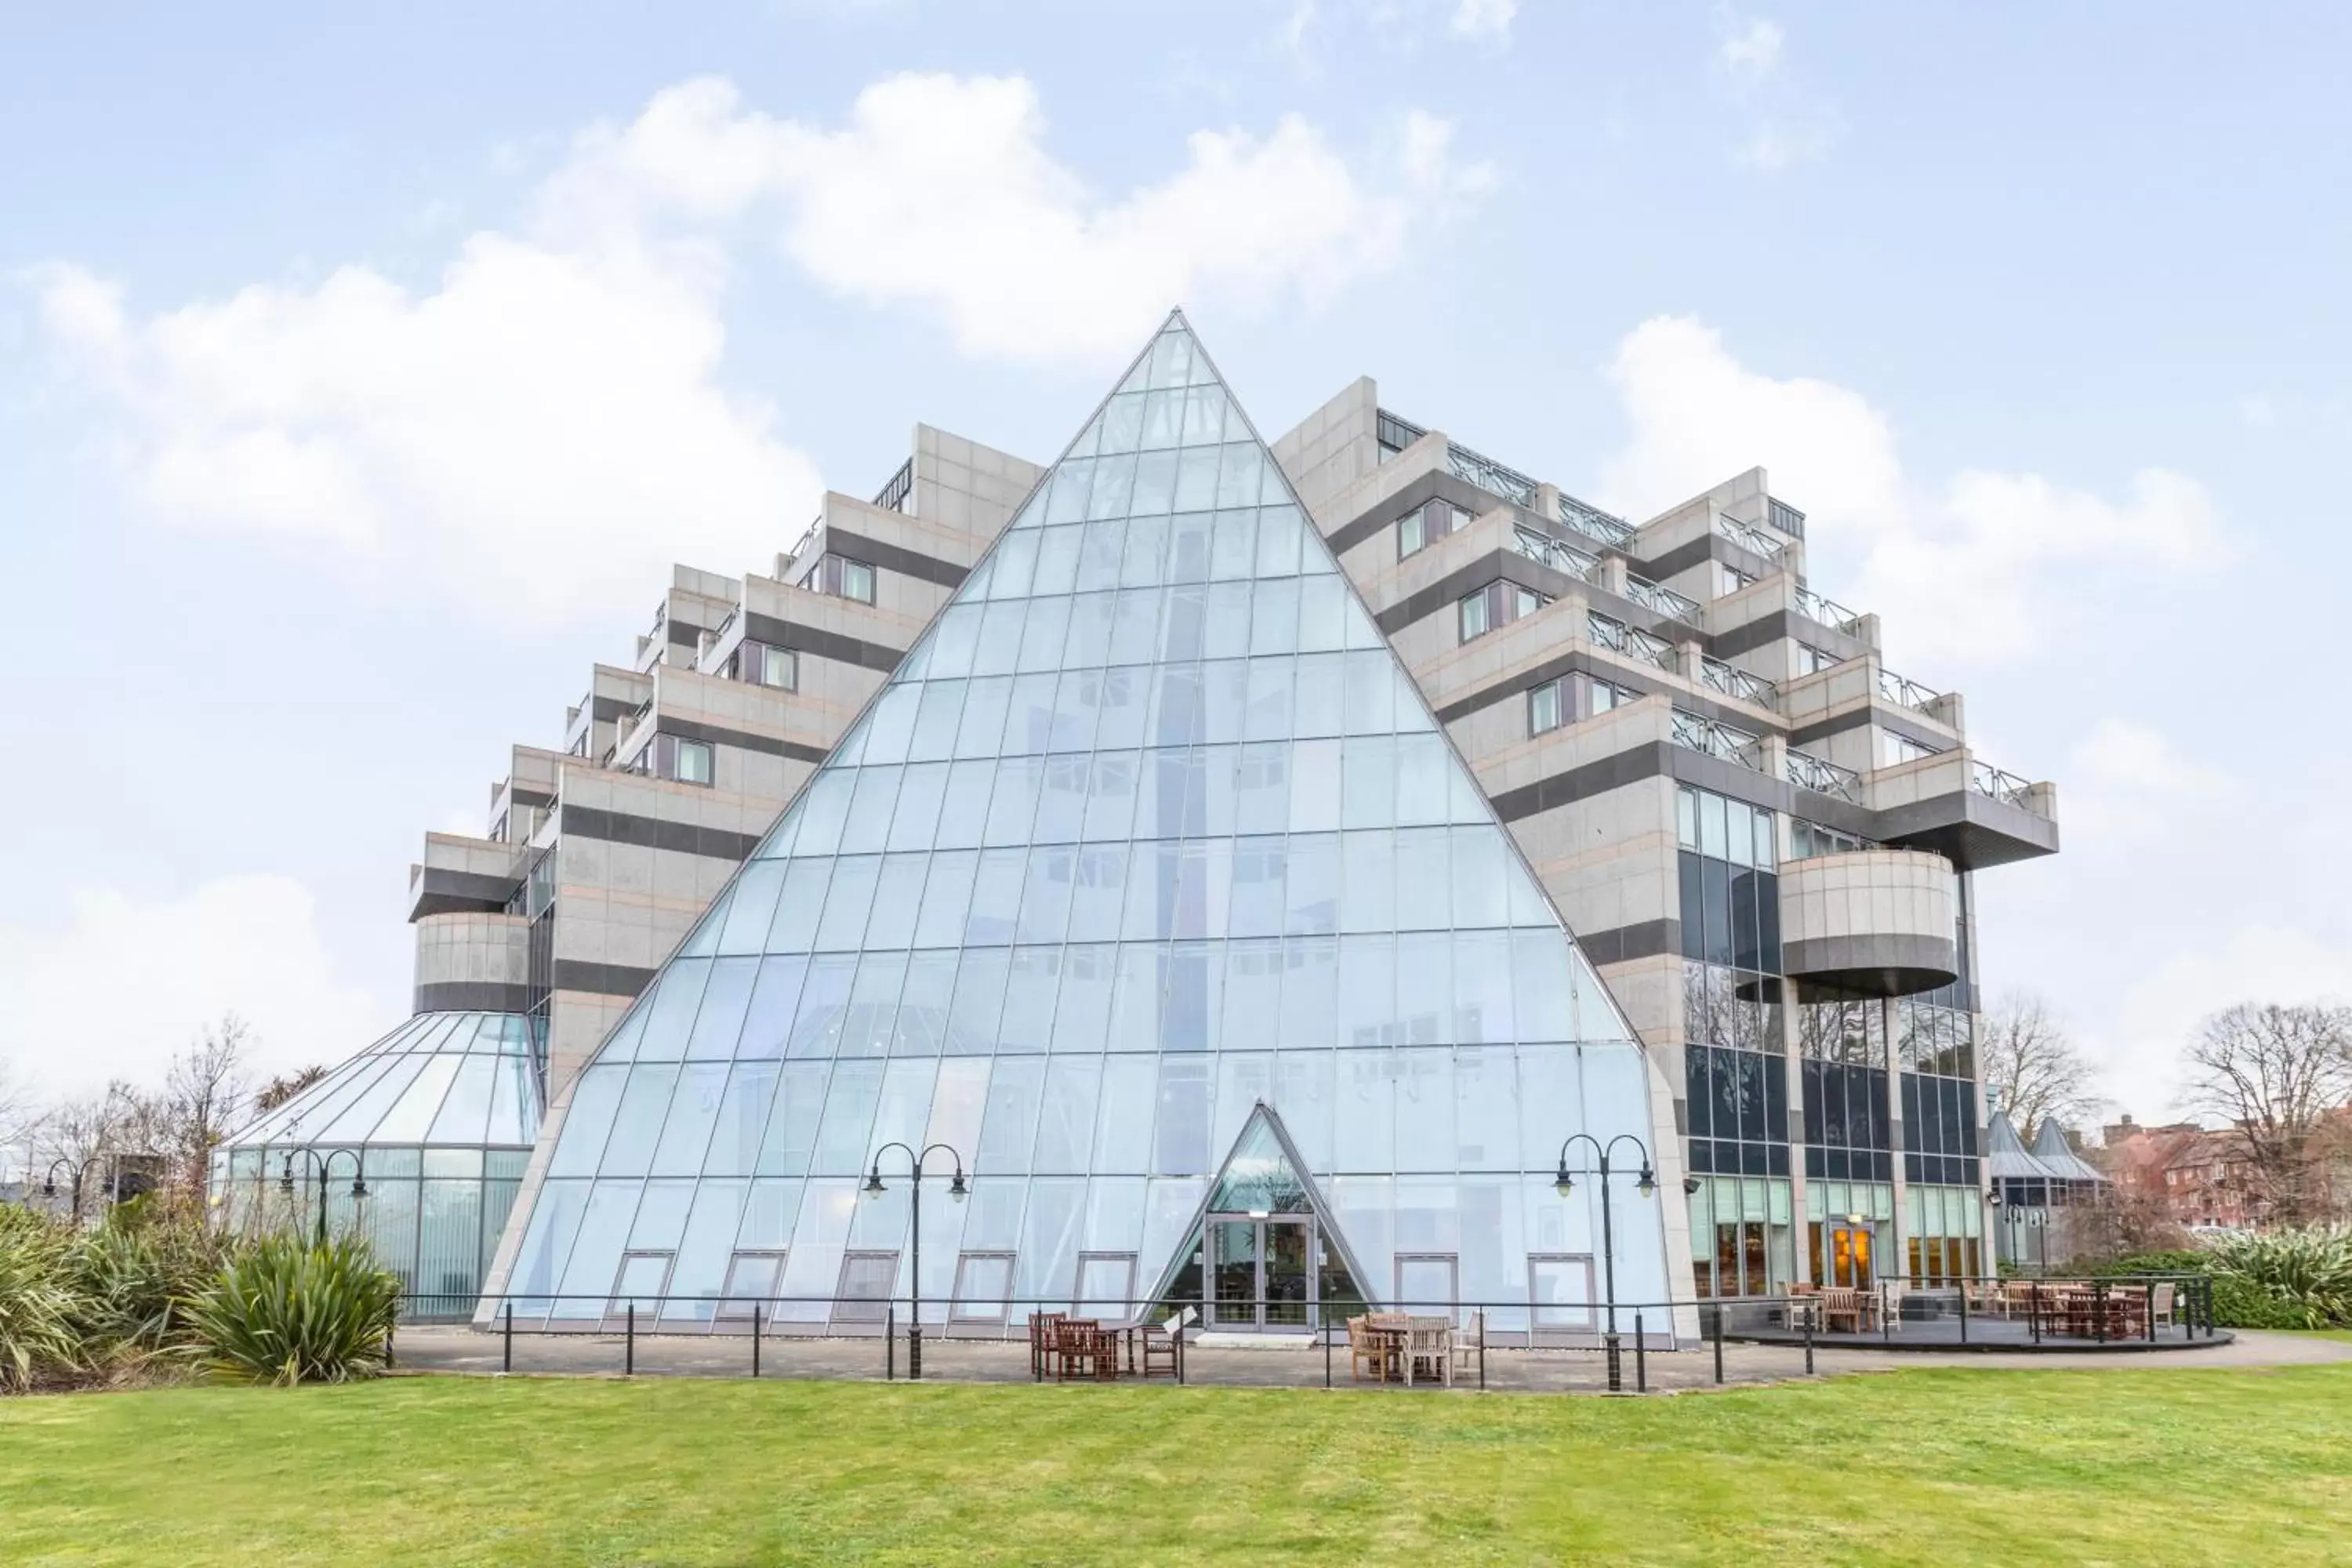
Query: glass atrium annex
435,1122
1150,886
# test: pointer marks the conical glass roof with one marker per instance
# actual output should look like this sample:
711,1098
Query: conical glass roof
459,1079
1149,828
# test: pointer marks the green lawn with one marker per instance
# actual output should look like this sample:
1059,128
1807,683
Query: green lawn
1941,1467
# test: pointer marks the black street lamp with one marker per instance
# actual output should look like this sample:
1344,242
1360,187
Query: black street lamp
956,1190
2031,1218
324,1168
1646,1183
49,1182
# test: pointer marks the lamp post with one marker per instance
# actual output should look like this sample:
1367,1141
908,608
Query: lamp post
325,1168
956,1190
1646,1183
49,1182
2030,1218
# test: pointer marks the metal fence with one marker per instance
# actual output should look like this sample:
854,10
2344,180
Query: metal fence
1516,1345
1243,1342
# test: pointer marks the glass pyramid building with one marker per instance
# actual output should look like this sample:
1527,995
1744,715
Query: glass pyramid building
1150,886
438,1117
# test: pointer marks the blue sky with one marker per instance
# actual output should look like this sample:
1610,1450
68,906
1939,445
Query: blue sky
359,377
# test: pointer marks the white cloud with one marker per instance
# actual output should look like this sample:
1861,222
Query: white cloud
2155,1019
127,982
1961,575
1484,18
1749,48
2125,781
939,193
540,434
542,430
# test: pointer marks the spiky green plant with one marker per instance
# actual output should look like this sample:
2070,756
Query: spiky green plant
135,1273
2307,1269
286,1311
38,1337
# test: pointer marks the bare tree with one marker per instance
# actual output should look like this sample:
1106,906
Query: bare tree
2274,1074
285,1087
2037,1073
20,1118
204,1094
77,1138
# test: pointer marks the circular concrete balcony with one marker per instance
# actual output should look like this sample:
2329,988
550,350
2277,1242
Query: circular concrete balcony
1876,922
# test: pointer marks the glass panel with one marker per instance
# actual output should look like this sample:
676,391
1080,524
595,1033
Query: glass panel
1153,829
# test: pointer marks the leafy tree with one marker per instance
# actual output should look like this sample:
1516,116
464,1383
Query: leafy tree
285,1087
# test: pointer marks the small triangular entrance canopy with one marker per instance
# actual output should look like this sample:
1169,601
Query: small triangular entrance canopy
2049,1147
1263,1175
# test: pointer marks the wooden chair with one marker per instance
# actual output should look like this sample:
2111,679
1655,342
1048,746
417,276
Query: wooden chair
1366,1347
1471,1342
1085,1349
1042,1342
1428,1343
1160,1346
1842,1303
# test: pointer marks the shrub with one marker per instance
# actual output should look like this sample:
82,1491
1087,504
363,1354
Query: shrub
2307,1270
38,1337
135,1273
286,1311
2273,1279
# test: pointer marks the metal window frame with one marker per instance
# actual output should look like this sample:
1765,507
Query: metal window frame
851,1256
734,1307
998,1308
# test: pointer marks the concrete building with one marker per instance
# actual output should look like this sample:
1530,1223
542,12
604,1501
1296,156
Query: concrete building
1765,838
1762,840
599,854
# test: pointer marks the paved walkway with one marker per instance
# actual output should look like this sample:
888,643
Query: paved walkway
459,1350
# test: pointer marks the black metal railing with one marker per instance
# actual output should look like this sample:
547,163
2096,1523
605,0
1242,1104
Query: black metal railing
1515,1344
893,496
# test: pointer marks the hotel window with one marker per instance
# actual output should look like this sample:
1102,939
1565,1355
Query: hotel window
1547,707
680,760
1894,749
843,578
1811,660
1807,839
776,667
1730,579
1425,525
1742,1237
1607,695
1496,605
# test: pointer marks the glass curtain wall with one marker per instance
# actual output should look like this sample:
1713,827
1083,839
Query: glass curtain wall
1150,827
1736,1072
437,1117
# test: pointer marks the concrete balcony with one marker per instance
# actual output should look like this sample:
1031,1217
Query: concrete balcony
1968,811
462,875
1876,922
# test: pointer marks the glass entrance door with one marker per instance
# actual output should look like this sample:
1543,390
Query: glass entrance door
1261,1271
1233,1273
1287,1289
1849,1257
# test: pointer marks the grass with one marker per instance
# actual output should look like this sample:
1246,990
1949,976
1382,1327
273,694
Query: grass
1931,1466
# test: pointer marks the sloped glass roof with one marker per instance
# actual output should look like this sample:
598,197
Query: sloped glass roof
2049,1147
1151,827
459,1079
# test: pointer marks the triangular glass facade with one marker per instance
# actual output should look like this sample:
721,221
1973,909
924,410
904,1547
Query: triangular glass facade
1150,827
